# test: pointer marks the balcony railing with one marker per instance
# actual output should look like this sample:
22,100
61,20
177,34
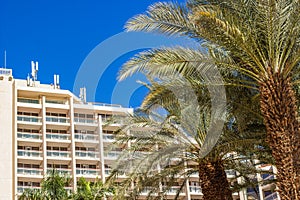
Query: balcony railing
87,154
80,136
195,189
230,172
107,171
34,136
173,189
29,153
61,171
146,190
24,118
112,154
58,136
85,120
21,189
59,154
89,172
109,137
24,100
29,171
55,102
272,196
57,119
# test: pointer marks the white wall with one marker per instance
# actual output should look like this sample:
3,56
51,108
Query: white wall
6,139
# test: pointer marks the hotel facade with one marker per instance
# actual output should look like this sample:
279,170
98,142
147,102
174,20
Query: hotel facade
44,127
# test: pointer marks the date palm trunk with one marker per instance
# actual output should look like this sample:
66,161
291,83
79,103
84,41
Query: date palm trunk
279,108
213,181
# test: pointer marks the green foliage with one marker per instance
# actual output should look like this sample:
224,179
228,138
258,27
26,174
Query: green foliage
53,188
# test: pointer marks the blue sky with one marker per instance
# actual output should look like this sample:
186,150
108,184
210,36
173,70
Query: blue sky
60,34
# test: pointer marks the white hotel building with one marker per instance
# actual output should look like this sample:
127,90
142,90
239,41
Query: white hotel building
44,127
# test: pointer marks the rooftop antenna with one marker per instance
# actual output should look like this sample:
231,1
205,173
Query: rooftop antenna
56,81
34,70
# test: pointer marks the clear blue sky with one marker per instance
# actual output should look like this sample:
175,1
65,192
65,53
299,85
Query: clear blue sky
59,34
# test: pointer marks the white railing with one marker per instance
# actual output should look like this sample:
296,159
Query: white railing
58,136
30,171
86,171
61,171
85,120
57,119
29,153
109,137
230,172
195,189
80,136
173,189
21,189
272,196
55,102
25,118
87,154
112,154
34,136
60,154
25,100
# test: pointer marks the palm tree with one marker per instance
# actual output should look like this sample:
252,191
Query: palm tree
31,194
171,137
52,188
258,40
91,190
53,185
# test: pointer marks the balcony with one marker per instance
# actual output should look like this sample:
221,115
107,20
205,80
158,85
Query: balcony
59,154
29,136
53,119
86,137
230,173
85,121
195,175
55,102
173,190
147,190
31,119
87,154
112,155
31,101
58,136
29,153
21,189
61,171
195,190
109,137
107,171
30,171
87,172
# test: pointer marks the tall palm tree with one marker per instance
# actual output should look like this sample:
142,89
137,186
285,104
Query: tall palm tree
257,39
169,138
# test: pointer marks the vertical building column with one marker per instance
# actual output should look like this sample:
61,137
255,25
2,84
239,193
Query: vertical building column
72,132
15,142
260,191
44,128
187,184
243,192
6,142
101,148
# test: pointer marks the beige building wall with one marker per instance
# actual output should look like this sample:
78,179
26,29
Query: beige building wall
6,137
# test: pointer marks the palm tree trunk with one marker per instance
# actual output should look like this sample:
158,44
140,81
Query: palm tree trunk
213,181
279,108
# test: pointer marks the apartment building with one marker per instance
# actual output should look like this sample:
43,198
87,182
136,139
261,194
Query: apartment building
44,127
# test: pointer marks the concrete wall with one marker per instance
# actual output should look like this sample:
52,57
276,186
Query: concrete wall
6,137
